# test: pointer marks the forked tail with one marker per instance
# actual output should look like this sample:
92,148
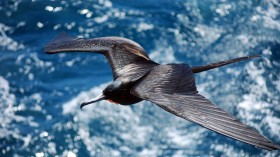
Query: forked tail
198,69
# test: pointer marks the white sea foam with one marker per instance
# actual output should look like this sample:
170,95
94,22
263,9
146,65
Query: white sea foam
9,117
101,19
6,100
51,148
223,9
227,150
4,85
270,15
53,9
153,152
28,62
163,53
6,42
70,63
105,5
185,139
274,125
252,104
209,34
144,26
72,105
68,153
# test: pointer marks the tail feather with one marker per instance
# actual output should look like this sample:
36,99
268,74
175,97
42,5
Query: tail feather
198,69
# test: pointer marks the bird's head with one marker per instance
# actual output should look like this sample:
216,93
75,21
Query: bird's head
108,94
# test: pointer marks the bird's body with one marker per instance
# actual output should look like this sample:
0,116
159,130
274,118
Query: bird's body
123,96
172,87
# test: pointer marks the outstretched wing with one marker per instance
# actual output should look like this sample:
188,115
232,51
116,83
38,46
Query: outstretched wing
118,51
172,87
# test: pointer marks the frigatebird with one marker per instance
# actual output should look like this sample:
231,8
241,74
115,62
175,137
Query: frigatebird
172,86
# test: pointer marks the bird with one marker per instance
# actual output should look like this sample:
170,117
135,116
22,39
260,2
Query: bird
172,87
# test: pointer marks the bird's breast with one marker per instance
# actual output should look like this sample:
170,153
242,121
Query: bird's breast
124,98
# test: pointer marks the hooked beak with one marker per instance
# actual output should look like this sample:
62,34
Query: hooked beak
98,98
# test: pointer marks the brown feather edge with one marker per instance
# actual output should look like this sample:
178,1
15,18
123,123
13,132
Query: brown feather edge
136,50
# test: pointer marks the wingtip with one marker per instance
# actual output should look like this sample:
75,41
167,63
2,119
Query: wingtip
46,50
81,106
259,56
272,148
255,56
268,145
61,37
51,46
277,147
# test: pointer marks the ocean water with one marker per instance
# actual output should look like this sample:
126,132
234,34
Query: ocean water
40,94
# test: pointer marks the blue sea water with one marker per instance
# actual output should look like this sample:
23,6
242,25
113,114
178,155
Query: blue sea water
40,94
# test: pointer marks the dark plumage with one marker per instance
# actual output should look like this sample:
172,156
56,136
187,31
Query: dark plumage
171,87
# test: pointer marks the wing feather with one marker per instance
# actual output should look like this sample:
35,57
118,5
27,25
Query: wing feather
119,51
172,87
